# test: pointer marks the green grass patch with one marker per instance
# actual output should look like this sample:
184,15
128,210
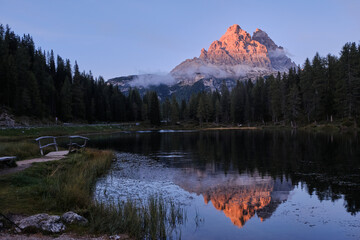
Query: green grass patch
56,186
9,134
20,149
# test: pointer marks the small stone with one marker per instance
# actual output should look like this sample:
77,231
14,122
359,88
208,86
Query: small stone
74,218
115,237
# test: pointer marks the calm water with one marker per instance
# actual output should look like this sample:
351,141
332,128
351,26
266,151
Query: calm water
242,184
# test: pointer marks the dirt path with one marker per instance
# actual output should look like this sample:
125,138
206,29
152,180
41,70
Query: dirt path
21,165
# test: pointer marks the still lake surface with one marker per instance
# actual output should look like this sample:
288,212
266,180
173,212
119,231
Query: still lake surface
241,184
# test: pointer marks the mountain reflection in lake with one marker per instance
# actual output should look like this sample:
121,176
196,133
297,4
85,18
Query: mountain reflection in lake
242,184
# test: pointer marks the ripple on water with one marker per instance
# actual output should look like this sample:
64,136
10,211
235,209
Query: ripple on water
138,177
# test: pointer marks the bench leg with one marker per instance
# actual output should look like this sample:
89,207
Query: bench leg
70,146
41,151
56,146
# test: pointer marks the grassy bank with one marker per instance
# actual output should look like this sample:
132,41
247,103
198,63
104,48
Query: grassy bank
60,186
22,149
56,186
14,134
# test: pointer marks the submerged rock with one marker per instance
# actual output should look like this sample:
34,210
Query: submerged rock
42,221
74,218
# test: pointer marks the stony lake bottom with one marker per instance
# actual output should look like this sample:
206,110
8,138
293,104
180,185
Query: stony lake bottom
241,184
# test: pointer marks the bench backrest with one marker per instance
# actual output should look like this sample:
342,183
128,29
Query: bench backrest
77,145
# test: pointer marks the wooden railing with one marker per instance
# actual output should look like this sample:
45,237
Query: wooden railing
54,143
76,145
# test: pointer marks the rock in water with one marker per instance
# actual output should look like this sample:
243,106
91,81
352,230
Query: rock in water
44,222
74,218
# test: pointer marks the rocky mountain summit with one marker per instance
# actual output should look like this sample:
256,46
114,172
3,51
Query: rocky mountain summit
235,56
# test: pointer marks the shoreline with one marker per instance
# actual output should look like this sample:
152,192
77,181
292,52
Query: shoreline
54,187
25,132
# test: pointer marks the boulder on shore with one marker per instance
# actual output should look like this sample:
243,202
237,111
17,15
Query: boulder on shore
73,218
42,221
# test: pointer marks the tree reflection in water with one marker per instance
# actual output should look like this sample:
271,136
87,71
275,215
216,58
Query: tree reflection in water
329,165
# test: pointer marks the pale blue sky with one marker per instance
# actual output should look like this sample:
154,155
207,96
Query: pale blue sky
116,38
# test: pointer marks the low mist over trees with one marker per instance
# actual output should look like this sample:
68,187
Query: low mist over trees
36,83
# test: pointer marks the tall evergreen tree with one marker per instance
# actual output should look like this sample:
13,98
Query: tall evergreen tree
307,90
65,96
174,110
275,98
154,112
225,102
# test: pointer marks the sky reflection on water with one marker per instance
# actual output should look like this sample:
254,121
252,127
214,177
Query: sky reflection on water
236,199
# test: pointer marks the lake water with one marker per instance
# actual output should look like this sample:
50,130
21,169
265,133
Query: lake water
242,184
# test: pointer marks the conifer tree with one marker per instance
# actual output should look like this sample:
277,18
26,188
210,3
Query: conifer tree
65,96
307,90
166,110
225,102
201,111
154,111
174,110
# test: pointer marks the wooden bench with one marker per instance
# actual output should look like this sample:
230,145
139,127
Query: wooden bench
75,145
8,160
53,143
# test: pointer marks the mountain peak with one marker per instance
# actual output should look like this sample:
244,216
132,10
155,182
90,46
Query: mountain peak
234,28
236,47
235,33
263,38
236,55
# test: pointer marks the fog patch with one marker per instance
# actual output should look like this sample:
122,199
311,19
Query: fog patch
217,71
146,80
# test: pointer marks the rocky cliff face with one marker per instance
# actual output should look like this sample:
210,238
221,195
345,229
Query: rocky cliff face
235,55
236,47
277,55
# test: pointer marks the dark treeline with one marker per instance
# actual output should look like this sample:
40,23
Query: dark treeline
325,89
35,83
